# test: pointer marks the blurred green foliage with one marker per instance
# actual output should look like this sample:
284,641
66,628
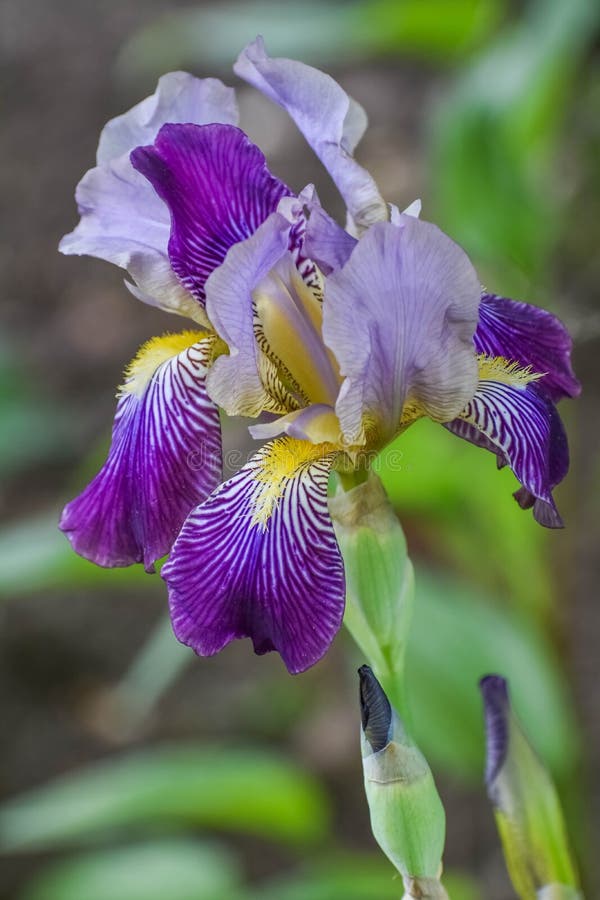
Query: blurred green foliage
495,138
31,429
177,868
494,187
323,33
246,790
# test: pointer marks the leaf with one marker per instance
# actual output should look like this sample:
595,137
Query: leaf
495,137
246,791
318,33
353,877
455,640
472,520
180,869
35,555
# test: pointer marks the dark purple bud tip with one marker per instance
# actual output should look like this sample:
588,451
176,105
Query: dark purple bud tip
496,703
375,710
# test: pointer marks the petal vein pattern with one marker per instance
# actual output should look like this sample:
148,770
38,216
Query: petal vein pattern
218,189
519,423
122,219
259,559
164,458
531,335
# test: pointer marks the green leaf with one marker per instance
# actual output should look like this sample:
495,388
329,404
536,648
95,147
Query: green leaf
354,877
35,555
495,137
455,640
247,791
472,520
315,32
179,869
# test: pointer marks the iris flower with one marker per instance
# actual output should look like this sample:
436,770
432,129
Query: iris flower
335,339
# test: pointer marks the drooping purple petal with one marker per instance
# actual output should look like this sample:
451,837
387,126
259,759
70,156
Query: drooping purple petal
400,317
218,189
530,336
259,559
165,457
521,425
329,119
123,221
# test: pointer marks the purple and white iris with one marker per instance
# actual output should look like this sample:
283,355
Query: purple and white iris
338,338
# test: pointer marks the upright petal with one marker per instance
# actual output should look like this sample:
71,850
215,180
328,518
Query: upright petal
326,242
259,559
122,219
511,415
218,189
179,98
165,457
329,119
400,317
532,337
237,380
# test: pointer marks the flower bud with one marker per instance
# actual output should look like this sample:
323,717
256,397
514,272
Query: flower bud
407,817
526,805
379,577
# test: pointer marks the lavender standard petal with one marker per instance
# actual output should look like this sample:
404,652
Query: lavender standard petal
122,219
234,381
179,98
218,189
329,119
400,317
278,580
164,458
532,337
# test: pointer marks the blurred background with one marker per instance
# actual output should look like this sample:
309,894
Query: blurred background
131,769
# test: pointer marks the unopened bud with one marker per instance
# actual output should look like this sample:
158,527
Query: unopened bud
407,816
526,805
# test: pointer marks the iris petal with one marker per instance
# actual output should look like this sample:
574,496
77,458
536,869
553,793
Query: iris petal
122,219
331,121
400,317
520,424
530,335
259,559
218,189
165,457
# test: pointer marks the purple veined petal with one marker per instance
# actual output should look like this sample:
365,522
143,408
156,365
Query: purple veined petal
123,221
259,559
400,317
165,457
518,422
329,119
218,189
531,336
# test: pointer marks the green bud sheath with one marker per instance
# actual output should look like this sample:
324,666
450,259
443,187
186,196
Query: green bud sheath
379,579
526,806
407,816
